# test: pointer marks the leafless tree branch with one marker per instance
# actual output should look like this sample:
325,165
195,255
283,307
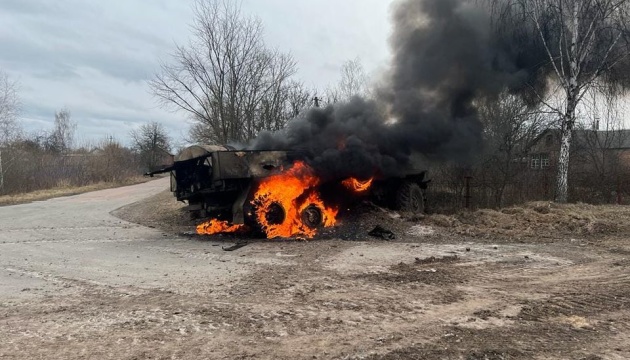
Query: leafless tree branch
226,79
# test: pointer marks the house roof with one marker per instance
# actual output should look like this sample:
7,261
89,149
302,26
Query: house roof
606,139
618,139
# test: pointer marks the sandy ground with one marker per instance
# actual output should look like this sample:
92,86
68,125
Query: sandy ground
528,283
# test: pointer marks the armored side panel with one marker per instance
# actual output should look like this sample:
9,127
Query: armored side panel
229,165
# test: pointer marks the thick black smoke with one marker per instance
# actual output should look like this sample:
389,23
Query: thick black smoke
447,54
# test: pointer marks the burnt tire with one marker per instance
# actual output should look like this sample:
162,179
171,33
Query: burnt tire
275,214
409,198
312,217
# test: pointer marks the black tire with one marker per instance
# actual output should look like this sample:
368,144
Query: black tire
312,217
409,198
275,214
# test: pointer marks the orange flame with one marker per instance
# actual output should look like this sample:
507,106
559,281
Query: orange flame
217,227
357,185
294,191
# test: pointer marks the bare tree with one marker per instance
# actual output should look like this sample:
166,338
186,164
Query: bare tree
333,95
298,99
510,129
61,139
587,43
282,105
224,75
354,81
152,143
9,110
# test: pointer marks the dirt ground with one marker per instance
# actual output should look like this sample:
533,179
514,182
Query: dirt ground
540,281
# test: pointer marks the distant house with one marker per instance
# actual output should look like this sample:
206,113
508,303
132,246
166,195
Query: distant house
587,146
599,165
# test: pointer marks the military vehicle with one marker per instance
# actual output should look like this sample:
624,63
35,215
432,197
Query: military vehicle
218,182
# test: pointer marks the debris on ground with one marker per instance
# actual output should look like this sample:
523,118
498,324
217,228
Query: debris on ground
433,260
235,246
421,230
381,232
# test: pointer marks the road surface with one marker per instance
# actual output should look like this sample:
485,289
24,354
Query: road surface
44,245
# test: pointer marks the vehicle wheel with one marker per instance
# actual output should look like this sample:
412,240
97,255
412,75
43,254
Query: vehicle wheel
312,216
409,198
275,214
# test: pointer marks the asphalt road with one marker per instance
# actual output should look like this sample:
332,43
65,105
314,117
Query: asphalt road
47,245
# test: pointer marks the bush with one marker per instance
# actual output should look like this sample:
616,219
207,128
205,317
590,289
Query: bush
28,166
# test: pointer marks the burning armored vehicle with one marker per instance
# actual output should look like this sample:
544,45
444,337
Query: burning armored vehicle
277,191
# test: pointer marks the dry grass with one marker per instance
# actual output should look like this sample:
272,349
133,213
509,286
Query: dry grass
66,190
538,220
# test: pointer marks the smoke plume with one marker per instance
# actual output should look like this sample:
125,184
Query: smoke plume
447,54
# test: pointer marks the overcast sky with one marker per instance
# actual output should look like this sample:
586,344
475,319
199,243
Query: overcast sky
95,57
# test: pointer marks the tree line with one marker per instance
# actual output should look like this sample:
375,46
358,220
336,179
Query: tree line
52,158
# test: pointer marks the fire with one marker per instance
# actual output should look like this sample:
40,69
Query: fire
357,185
217,227
294,191
286,205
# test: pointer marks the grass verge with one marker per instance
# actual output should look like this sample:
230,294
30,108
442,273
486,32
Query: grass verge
40,195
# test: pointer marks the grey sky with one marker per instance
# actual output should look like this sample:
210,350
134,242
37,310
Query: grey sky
95,57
